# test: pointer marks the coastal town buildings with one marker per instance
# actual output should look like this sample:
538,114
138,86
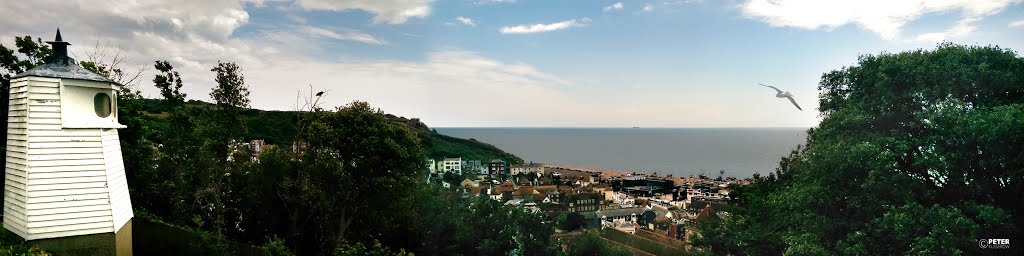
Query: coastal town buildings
628,202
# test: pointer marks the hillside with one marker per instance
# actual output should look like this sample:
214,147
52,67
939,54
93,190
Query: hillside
278,127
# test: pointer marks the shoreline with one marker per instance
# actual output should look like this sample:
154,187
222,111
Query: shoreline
605,174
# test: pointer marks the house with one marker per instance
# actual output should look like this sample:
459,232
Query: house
299,146
536,168
473,165
580,201
469,183
431,165
608,216
496,167
452,165
256,145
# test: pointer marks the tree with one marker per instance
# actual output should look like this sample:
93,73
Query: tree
231,96
169,83
917,153
231,92
360,165
574,221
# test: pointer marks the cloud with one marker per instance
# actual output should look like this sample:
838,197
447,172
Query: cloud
465,21
883,17
346,35
617,6
538,28
385,11
962,28
648,7
1015,24
444,87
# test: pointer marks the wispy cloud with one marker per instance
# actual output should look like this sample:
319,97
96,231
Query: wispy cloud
617,6
537,28
962,28
391,12
1015,24
346,35
648,7
885,18
462,20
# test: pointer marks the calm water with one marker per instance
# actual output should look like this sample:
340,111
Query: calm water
681,151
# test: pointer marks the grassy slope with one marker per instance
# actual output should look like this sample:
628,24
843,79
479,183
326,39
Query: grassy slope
278,127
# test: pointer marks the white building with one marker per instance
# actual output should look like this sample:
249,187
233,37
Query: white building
527,168
65,175
453,165
431,165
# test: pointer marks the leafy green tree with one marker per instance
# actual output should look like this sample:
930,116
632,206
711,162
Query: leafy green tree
918,152
231,96
231,91
573,221
361,166
169,83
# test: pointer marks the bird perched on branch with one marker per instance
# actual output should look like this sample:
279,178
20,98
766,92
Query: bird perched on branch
781,94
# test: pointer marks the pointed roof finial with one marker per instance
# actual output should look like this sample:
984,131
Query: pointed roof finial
60,50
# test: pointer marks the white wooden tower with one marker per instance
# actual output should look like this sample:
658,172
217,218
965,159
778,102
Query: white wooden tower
64,172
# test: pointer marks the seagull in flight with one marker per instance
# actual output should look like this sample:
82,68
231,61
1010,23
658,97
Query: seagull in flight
781,94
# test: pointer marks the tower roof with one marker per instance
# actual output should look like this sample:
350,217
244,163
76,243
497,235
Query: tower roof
60,65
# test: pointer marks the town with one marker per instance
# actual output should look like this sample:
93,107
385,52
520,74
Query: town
639,204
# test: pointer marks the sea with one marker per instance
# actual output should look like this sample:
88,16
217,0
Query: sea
739,152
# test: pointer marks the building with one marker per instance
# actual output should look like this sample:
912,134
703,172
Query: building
536,168
299,146
256,145
65,174
496,167
431,165
473,166
452,165
583,201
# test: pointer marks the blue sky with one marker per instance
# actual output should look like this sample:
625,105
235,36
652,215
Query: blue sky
526,63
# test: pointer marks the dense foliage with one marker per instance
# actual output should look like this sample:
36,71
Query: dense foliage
356,187
918,152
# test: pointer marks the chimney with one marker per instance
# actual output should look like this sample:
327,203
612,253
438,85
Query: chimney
60,51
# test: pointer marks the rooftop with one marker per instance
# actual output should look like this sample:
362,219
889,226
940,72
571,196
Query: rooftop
59,65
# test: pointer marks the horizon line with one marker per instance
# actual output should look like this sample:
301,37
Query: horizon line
618,127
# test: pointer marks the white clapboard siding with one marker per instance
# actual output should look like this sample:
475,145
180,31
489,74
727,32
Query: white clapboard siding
70,215
15,167
63,198
121,203
60,181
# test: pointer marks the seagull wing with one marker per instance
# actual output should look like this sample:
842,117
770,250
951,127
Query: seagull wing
794,103
773,87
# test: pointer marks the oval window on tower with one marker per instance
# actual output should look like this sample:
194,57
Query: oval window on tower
102,104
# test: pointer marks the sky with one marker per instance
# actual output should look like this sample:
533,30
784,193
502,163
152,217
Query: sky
520,63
